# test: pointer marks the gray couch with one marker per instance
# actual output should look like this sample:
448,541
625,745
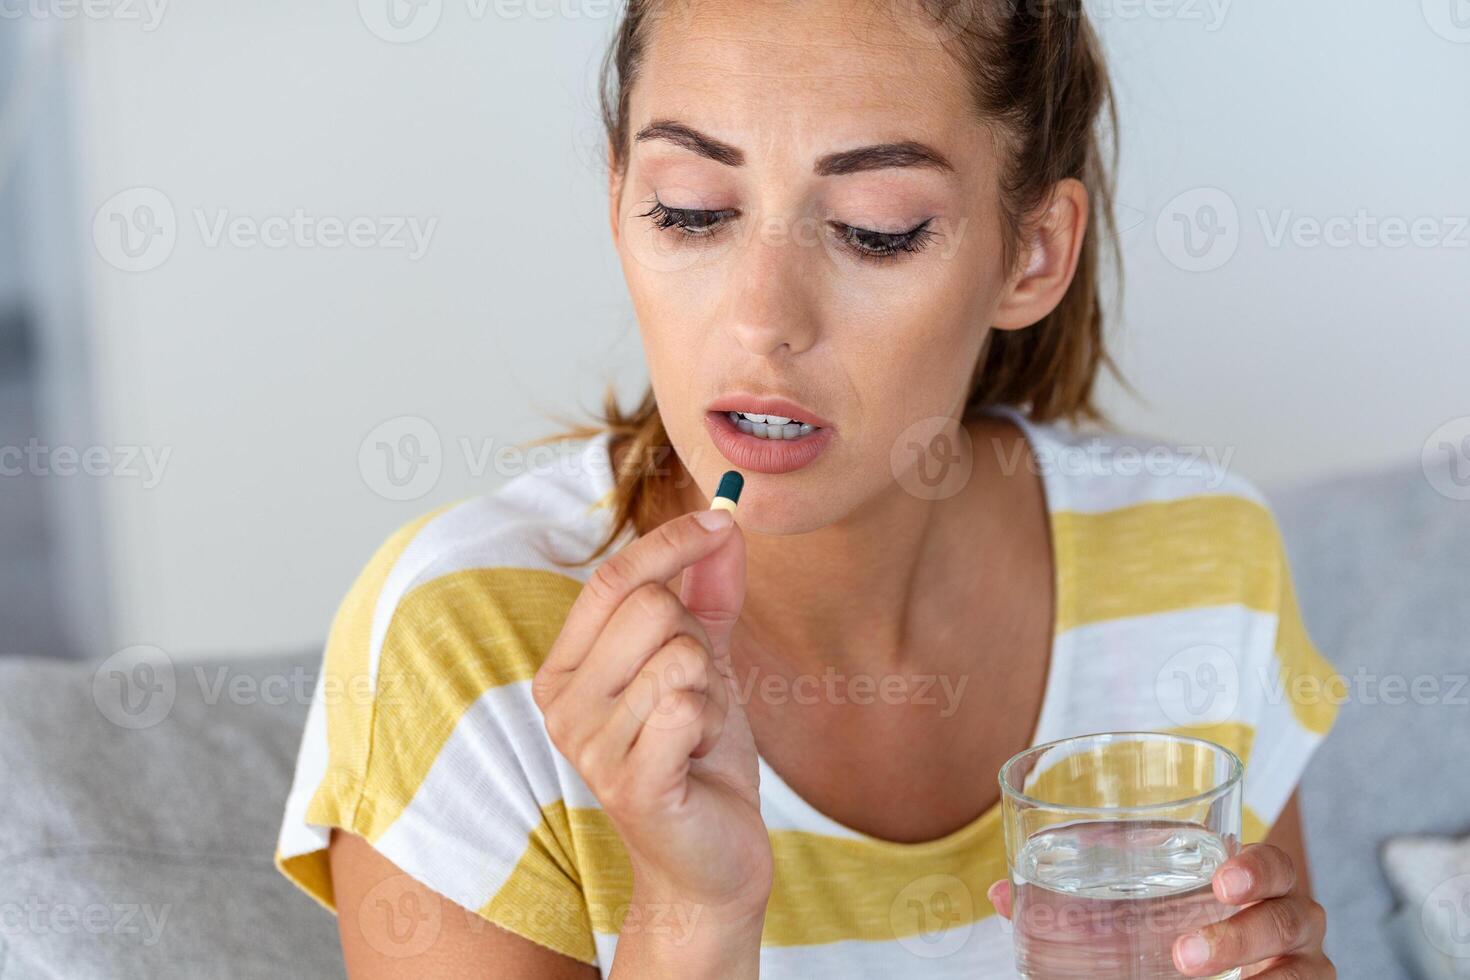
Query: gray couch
140,845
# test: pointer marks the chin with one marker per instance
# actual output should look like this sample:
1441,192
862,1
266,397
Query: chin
785,505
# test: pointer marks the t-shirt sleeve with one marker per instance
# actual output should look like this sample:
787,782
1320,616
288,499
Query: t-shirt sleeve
423,739
1296,694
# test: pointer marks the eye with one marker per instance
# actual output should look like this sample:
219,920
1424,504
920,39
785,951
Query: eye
882,244
688,221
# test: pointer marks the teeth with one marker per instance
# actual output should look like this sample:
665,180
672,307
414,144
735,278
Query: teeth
766,419
770,426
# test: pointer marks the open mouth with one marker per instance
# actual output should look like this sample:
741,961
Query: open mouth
771,426
765,443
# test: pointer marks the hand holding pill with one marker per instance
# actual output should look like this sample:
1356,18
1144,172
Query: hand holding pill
639,695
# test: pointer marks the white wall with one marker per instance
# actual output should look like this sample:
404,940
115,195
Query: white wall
262,370
1303,357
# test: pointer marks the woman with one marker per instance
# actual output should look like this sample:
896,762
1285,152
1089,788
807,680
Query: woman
862,246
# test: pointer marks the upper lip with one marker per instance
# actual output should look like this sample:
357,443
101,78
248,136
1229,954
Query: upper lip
768,405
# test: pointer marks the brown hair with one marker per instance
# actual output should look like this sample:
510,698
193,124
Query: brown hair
1035,68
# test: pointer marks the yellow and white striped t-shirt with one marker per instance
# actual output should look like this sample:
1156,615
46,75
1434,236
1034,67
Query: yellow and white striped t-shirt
1174,612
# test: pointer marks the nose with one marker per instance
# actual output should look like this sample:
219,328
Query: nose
770,306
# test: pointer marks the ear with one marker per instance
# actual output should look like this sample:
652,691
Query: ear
1048,261
614,195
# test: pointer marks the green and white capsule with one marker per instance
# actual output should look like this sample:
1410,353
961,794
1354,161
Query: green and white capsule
728,493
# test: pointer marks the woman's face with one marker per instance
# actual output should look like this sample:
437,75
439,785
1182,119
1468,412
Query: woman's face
765,258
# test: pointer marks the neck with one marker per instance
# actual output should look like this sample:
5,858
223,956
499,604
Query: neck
879,587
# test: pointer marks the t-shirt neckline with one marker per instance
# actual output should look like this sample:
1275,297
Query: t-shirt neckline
777,794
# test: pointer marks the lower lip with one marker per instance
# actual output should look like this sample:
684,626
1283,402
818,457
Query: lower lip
748,452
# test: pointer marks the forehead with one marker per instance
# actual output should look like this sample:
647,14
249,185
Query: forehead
804,76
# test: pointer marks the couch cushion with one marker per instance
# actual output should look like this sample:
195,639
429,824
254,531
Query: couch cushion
1381,564
139,803
1431,877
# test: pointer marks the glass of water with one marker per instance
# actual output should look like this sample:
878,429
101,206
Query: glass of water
1112,840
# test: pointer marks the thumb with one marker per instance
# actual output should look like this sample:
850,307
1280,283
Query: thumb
999,894
713,589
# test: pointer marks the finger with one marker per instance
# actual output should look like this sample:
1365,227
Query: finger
582,702
647,620
1304,966
1000,896
1258,872
663,752
680,665
605,747
658,556
713,590
1274,927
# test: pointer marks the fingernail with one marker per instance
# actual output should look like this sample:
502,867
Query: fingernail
1193,951
1235,881
713,520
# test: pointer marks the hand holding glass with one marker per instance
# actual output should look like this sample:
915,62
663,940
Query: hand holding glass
1112,840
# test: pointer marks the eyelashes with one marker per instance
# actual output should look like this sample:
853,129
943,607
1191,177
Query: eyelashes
691,222
883,245
873,245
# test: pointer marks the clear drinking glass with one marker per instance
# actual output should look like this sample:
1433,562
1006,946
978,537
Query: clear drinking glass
1112,840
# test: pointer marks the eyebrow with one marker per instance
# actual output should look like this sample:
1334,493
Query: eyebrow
880,156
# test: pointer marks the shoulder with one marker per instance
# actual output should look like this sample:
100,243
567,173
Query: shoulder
1175,582
423,722
1097,469
435,644
1150,525
497,568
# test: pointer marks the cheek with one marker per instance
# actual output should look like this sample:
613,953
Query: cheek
911,337
676,318
921,380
